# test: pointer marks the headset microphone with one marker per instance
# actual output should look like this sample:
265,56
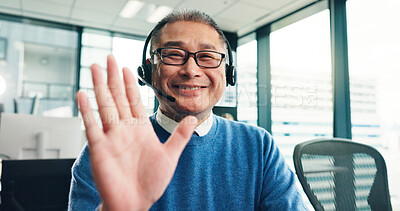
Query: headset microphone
168,97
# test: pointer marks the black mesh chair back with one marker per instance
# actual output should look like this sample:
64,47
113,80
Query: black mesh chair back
338,174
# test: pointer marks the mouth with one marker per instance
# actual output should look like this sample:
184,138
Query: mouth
189,90
188,87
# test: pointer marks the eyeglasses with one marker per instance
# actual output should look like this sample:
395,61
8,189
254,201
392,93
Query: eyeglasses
177,56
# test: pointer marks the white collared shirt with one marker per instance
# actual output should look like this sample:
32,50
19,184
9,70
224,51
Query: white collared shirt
169,124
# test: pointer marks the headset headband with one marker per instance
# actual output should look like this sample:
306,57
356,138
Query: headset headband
144,71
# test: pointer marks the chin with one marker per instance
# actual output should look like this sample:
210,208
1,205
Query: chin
192,111
189,110
191,105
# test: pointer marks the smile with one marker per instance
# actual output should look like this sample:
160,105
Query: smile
189,88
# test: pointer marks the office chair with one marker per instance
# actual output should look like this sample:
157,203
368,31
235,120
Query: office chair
338,174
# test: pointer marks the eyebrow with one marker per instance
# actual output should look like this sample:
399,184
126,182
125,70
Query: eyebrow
181,44
173,44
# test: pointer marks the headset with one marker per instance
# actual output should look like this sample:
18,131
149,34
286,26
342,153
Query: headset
145,70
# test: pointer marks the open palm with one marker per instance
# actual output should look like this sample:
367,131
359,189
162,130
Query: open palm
131,167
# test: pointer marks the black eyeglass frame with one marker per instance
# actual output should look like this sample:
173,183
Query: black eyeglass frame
187,55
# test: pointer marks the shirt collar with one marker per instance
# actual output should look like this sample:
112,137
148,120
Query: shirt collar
169,124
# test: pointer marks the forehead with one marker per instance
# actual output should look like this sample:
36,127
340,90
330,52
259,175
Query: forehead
190,34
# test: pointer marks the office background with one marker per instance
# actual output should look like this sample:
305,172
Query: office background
306,69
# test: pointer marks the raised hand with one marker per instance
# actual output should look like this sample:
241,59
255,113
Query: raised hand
131,167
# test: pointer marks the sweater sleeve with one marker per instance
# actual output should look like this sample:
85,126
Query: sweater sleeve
83,193
279,190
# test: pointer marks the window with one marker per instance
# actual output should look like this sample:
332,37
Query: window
247,80
301,82
374,49
301,85
96,45
128,53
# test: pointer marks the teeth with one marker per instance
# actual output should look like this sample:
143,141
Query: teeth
189,88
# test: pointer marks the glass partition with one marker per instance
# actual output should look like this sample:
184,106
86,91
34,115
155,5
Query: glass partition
38,62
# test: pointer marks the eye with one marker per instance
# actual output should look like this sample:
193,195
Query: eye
208,56
173,54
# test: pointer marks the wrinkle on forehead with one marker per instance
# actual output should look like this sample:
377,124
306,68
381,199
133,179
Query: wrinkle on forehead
181,44
180,27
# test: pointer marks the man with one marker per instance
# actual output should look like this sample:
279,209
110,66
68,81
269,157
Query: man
141,163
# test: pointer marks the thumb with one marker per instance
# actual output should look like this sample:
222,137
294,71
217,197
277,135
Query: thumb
180,137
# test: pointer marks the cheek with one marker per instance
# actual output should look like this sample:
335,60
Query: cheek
219,85
157,76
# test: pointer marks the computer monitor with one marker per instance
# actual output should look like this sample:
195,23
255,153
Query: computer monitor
24,136
35,184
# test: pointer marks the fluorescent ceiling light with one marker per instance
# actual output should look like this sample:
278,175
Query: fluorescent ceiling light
159,13
131,8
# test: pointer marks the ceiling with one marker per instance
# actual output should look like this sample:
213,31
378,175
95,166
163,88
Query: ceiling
240,16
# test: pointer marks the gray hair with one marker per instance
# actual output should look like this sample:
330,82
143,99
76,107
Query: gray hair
184,15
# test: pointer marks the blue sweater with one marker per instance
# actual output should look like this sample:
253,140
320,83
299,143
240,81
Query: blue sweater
234,167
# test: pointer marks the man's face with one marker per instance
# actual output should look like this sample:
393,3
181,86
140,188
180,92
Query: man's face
196,89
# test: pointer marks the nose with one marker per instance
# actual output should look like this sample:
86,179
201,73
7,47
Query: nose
190,69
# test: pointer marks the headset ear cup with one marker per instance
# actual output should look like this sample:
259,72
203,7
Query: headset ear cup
234,76
148,72
144,72
227,75
140,73
230,74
